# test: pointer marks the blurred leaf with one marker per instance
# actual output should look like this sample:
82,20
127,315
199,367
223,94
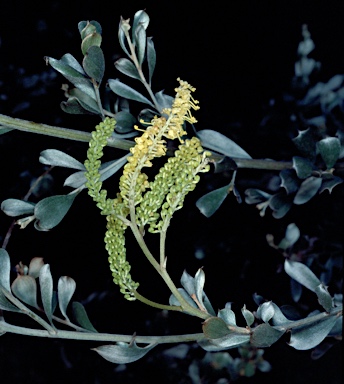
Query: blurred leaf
289,181
50,211
81,317
86,102
178,352
302,166
35,266
25,288
295,290
306,143
302,274
305,47
65,288
329,183
151,58
280,203
14,207
94,63
5,130
73,107
221,144
292,235
329,149
227,315
310,335
248,315
91,40
127,92
125,121
164,101
123,353
264,336
46,286
74,76
307,190
255,196
60,159
324,297
209,203
128,68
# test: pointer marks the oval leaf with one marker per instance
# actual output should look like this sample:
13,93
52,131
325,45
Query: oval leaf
25,288
50,211
324,297
227,315
302,274
127,67
248,315
308,189
59,159
65,290
35,266
311,335
123,353
46,286
94,63
211,202
266,311
222,144
302,166
14,207
127,92
264,336
329,149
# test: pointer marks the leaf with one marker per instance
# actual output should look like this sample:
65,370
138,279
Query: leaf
14,207
199,282
74,76
292,235
280,204
307,190
5,268
59,159
65,290
295,290
209,203
125,121
248,315
174,301
306,143
311,335
227,315
302,166
127,92
151,58
123,353
254,196
221,144
81,317
4,130
329,183
264,336
266,311
94,63
140,39
215,328
127,67
91,40
46,286
73,107
35,266
123,24
329,149
278,318
289,181
302,274
86,102
50,211
164,101
324,297
25,288
72,62
92,26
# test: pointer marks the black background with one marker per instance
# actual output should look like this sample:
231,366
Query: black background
239,57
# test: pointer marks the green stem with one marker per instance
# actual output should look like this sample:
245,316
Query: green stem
157,305
63,133
99,102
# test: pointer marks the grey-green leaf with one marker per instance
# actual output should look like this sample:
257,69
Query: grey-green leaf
309,336
302,166
127,67
127,92
329,183
306,143
324,297
266,311
5,268
199,285
125,121
59,159
209,203
215,328
292,235
14,207
248,315
46,286
50,211
307,190
264,336
73,107
86,102
72,62
65,290
221,144
329,149
164,101
289,181
227,315
141,19
94,63
140,39
25,288
123,353
35,266
81,317
302,274
151,58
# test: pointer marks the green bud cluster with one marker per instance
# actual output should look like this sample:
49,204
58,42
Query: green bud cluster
112,208
174,181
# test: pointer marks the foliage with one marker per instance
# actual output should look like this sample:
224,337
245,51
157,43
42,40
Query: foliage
150,198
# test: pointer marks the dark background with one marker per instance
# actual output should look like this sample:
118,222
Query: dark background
239,57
